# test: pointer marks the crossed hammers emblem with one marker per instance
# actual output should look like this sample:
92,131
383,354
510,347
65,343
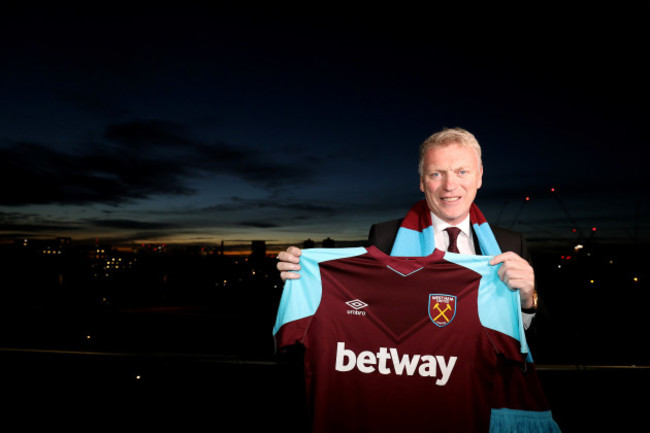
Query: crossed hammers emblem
441,312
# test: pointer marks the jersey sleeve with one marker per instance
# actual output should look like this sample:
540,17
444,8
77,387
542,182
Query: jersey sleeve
499,308
301,297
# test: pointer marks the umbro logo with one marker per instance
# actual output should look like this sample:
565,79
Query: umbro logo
358,306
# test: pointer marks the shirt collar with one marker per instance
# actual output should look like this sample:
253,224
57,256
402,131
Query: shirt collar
439,225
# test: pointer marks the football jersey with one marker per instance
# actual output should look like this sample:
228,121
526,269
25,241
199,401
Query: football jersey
431,343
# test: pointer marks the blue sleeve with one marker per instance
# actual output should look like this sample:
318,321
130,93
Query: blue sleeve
301,297
499,308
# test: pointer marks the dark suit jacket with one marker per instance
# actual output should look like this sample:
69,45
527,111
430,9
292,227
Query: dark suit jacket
383,235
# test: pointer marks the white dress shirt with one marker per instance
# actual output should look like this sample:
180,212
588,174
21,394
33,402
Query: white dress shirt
465,240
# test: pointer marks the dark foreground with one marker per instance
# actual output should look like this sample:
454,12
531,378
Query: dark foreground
92,390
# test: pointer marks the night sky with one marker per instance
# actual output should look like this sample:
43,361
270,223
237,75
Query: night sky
197,125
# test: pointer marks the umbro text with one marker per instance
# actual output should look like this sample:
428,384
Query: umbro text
357,312
381,362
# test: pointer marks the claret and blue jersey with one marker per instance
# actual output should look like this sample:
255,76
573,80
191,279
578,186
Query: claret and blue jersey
433,343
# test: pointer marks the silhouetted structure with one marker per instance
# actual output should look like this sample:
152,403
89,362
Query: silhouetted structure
258,249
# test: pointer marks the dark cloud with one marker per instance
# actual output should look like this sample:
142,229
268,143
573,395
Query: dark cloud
131,224
258,224
17,228
139,160
22,222
148,134
40,175
238,204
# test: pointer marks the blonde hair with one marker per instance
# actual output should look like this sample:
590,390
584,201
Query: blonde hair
446,137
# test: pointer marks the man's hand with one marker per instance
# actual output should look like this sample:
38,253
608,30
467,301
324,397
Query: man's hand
288,262
517,274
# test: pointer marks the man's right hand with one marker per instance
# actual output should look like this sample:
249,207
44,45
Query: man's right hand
288,263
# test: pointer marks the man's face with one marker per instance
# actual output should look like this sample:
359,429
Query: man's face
451,175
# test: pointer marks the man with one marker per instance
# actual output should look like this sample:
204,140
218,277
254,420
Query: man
370,318
451,172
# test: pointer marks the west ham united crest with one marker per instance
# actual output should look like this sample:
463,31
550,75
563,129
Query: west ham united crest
442,309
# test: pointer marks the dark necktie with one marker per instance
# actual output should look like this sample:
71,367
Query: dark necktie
453,235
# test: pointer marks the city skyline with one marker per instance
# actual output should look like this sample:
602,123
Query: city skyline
201,125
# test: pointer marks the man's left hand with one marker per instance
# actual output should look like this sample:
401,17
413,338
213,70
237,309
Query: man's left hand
517,274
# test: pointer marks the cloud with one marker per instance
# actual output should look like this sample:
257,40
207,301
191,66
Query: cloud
149,134
19,222
239,204
35,228
258,224
125,224
38,174
137,160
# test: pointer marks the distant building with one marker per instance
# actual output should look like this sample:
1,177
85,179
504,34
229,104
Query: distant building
45,247
153,248
99,252
64,241
258,250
